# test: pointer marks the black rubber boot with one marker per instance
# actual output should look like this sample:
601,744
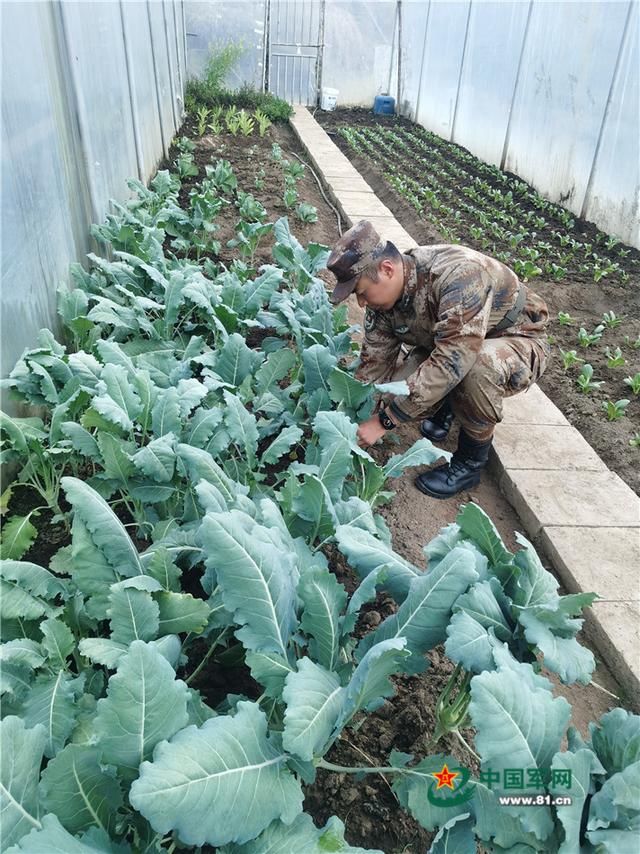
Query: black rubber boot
437,427
461,473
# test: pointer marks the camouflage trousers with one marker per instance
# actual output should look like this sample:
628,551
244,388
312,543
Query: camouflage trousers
504,367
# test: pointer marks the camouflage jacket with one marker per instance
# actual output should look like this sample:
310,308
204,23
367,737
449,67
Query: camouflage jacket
453,297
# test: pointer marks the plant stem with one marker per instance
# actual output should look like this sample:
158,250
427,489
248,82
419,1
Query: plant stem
208,655
342,769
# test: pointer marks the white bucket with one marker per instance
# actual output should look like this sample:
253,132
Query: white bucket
329,98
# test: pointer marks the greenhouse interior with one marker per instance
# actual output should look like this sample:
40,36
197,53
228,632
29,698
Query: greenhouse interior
320,427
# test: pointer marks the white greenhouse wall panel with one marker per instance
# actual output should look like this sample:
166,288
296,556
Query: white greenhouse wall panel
39,234
444,48
360,52
415,19
210,25
615,179
493,47
561,96
81,112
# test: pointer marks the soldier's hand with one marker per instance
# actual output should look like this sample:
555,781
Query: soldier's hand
370,431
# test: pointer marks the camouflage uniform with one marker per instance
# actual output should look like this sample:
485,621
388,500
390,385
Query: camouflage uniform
453,299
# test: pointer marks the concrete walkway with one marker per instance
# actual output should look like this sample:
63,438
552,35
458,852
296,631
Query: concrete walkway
581,514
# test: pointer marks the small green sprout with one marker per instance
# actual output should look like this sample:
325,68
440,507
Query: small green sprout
633,383
585,382
635,344
610,319
569,358
635,440
586,340
306,213
564,318
616,410
615,359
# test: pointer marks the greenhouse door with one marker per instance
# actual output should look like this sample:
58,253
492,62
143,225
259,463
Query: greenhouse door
296,33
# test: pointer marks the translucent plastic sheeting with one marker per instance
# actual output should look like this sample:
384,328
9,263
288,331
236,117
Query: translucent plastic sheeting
562,94
614,190
494,41
41,231
360,53
92,92
294,33
211,25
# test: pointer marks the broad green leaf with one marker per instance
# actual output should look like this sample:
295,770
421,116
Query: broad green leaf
517,727
323,599
497,824
103,651
202,425
28,590
565,656
534,584
165,415
301,837
51,702
367,553
20,759
255,577
195,781
164,570
181,612
370,684
281,445
114,458
275,368
421,453
616,739
58,642
18,535
335,465
133,614
469,643
235,360
412,787
614,840
581,765
314,699
90,570
270,670
424,615
107,531
455,837
345,389
75,787
197,709
475,524
258,292
190,394
336,428
117,400
21,430
145,704
482,603
617,803
318,363
200,465
241,425
22,651
157,459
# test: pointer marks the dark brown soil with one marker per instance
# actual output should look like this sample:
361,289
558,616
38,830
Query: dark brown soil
577,294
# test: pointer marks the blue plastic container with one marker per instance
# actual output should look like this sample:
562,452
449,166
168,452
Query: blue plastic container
384,105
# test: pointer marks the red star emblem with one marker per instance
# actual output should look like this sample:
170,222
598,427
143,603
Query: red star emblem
445,777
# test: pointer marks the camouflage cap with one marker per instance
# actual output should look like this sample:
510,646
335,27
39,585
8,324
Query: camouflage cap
356,250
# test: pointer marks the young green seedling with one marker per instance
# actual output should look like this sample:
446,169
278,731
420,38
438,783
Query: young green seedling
586,340
635,344
635,440
615,359
569,358
203,117
610,319
564,318
616,410
633,383
585,381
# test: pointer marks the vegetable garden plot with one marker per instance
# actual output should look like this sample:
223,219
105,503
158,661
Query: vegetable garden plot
591,282
203,483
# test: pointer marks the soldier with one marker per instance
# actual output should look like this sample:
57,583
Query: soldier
477,332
